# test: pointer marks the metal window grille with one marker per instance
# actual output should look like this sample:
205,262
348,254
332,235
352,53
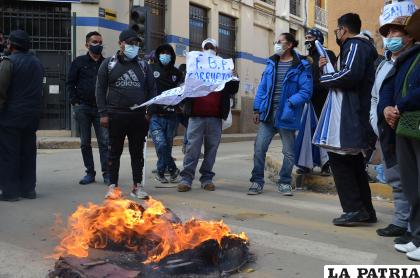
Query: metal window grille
295,7
157,22
198,26
270,2
227,36
48,24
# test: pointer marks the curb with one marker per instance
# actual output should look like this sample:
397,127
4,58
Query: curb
74,142
320,184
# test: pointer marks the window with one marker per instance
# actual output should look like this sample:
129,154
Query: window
293,32
295,7
227,36
198,26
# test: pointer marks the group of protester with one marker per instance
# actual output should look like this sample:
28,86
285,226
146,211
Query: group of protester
105,93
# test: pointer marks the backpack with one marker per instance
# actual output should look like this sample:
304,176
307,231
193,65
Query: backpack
114,60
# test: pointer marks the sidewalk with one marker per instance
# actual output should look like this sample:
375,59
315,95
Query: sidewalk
47,142
314,182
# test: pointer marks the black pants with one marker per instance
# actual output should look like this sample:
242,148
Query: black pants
408,155
352,182
134,126
17,161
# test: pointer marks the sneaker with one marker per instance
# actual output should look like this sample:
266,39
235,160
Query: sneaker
114,192
29,195
209,186
285,189
391,231
414,255
138,192
161,178
255,189
405,248
87,179
183,187
404,239
174,176
352,218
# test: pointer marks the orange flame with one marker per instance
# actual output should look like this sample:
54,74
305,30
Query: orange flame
125,223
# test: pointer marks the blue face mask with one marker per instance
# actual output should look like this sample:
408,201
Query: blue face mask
394,44
131,51
165,59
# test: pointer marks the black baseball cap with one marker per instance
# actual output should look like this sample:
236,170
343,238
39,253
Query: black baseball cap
129,35
21,39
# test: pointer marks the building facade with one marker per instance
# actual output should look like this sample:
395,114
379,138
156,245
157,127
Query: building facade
369,12
245,29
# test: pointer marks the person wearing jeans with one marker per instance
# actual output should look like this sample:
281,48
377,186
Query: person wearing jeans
164,120
81,83
284,89
205,126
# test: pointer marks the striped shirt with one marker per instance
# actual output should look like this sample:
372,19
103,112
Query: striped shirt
282,69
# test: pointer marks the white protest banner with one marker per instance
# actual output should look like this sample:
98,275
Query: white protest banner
206,73
396,9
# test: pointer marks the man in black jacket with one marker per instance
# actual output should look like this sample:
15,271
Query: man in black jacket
81,83
124,81
21,75
164,121
355,79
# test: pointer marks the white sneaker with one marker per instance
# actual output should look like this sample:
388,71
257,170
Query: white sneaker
138,192
114,192
405,248
414,255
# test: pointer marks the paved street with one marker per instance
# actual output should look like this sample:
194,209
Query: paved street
291,236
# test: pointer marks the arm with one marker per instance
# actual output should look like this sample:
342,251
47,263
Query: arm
261,91
151,89
352,71
373,118
6,68
72,80
305,88
102,88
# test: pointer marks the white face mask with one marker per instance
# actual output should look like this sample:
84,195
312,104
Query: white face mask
210,51
278,49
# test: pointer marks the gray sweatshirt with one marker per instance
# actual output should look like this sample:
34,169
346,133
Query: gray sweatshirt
124,86
381,73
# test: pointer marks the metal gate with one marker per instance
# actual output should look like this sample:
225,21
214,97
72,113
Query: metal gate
157,22
198,26
49,25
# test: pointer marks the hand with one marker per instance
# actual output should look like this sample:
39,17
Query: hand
322,62
256,118
104,122
392,115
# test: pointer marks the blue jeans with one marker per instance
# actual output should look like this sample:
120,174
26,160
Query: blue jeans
162,129
86,116
182,119
209,131
266,132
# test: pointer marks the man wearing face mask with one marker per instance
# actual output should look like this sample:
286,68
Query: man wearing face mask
354,78
81,84
205,126
386,135
399,96
164,120
285,87
320,92
125,80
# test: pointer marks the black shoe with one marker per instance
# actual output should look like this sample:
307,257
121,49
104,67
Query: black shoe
174,176
404,239
9,199
352,218
391,231
372,218
325,170
29,195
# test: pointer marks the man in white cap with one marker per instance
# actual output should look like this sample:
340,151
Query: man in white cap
205,125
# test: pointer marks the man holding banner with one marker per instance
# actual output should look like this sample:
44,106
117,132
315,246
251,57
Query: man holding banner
205,113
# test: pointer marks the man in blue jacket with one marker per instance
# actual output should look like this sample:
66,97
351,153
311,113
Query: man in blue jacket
285,86
21,76
400,94
355,80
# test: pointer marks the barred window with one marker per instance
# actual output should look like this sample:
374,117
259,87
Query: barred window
198,26
295,7
227,36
